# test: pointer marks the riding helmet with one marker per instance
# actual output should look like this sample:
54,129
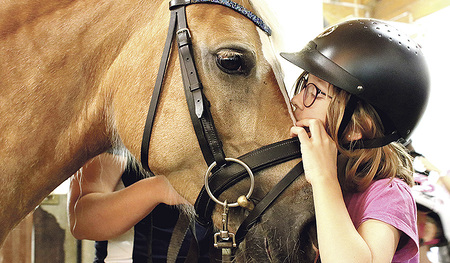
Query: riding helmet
375,62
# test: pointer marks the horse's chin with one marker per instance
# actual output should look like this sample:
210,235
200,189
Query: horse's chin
269,248
282,235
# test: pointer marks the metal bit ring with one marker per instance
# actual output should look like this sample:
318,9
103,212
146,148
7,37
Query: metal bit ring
249,171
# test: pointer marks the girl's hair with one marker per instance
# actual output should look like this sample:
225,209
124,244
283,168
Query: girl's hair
365,165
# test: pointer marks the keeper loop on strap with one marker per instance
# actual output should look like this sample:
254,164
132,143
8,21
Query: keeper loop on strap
195,86
177,3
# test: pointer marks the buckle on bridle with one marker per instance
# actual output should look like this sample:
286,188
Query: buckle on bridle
179,31
183,37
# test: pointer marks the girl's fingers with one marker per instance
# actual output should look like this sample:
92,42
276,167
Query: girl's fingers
295,130
316,127
300,132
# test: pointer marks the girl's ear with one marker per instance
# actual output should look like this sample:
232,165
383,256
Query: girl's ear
357,130
354,136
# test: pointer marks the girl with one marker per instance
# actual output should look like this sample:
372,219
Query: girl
110,201
365,86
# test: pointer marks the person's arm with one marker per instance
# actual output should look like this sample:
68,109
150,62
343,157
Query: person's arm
97,212
338,239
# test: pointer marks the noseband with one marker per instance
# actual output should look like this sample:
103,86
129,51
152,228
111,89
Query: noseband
223,173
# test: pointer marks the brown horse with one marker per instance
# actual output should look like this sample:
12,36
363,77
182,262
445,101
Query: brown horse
76,79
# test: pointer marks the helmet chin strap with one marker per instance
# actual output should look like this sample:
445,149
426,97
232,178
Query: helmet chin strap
348,113
372,143
362,144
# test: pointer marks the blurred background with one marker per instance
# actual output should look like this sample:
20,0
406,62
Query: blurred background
44,236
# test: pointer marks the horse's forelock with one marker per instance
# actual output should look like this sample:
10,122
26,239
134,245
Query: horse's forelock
272,45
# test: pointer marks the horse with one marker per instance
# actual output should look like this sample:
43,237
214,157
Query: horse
77,79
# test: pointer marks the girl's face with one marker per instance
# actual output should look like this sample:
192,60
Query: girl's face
319,107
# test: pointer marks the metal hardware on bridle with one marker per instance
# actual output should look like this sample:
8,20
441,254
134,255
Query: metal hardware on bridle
246,203
225,172
232,173
249,171
224,239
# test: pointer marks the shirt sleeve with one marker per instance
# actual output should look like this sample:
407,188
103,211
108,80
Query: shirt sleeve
391,201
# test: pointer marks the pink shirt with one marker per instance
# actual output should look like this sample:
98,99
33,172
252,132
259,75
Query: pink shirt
390,202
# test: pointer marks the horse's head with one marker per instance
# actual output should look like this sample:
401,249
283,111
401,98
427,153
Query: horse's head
235,63
237,70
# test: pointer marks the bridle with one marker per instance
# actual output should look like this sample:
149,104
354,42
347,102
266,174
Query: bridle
224,172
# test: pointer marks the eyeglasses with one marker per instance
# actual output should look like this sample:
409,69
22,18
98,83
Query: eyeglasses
311,91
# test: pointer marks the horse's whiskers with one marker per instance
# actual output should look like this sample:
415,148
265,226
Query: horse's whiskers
267,249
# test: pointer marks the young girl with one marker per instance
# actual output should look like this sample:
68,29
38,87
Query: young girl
110,202
365,86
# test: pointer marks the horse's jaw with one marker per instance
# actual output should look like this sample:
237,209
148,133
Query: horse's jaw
283,234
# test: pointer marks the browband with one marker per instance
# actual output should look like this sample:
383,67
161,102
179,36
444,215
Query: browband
230,4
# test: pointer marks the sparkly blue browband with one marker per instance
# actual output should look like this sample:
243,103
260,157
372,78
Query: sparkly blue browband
238,8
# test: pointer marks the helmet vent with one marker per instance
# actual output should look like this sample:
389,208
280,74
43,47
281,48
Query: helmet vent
392,34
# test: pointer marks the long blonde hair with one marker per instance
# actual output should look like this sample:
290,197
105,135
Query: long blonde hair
365,165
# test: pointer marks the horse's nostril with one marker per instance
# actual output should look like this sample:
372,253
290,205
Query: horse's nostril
266,244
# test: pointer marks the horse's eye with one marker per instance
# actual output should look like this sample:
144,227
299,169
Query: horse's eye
231,62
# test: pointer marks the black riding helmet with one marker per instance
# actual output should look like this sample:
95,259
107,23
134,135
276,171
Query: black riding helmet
376,63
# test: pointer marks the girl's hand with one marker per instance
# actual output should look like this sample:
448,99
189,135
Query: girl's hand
319,152
167,194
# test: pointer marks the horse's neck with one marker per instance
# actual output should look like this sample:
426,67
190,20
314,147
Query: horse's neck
54,116
14,14
53,58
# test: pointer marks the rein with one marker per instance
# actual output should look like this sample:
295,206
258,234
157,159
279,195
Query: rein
225,173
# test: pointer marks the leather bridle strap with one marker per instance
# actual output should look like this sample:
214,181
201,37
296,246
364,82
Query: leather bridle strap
226,174
208,139
232,173
268,199
204,127
362,144
202,120
156,94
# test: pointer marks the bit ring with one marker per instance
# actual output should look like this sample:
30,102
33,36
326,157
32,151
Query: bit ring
249,171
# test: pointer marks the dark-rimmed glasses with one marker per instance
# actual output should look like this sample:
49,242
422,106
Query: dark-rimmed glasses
311,90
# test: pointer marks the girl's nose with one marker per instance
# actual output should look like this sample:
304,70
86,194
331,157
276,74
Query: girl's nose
293,105
296,102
